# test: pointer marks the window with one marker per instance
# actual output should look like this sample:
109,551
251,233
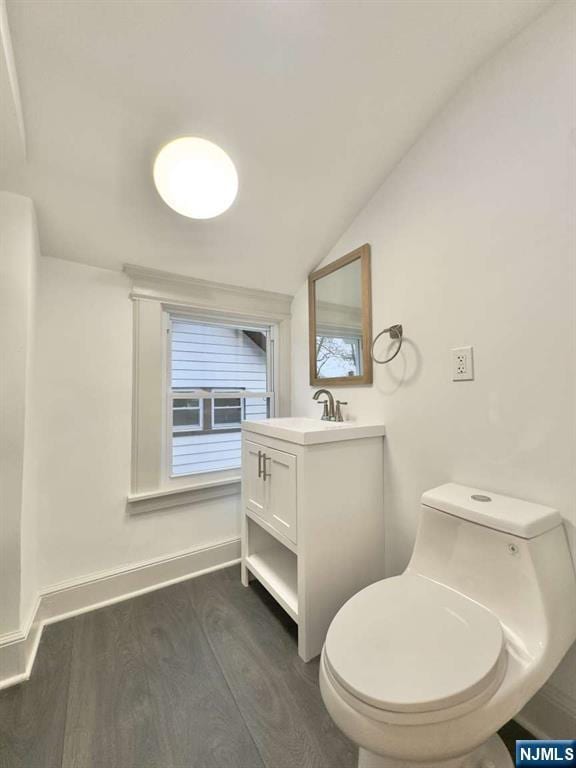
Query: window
227,413
206,357
219,375
187,415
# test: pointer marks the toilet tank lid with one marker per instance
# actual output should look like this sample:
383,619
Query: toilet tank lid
502,513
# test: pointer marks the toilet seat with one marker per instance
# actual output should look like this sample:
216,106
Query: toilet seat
410,645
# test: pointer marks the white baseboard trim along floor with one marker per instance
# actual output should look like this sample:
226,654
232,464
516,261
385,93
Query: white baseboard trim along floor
67,599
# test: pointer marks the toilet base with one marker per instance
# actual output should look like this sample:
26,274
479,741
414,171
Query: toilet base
492,754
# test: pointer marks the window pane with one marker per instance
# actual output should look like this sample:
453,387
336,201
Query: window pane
183,403
202,452
184,417
217,359
227,416
226,402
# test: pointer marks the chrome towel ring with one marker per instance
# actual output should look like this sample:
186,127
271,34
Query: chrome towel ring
395,332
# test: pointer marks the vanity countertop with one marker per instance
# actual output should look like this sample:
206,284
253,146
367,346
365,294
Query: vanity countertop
305,431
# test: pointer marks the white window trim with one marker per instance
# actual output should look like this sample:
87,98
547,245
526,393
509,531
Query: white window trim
155,294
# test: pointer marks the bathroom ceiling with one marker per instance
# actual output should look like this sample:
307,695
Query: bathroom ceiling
314,101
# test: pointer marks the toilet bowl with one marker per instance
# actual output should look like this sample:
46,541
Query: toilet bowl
423,669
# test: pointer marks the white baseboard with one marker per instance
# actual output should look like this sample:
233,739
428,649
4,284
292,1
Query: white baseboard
18,650
550,714
71,598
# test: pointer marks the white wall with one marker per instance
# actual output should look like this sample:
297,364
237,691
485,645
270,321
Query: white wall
85,369
18,261
473,242
12,130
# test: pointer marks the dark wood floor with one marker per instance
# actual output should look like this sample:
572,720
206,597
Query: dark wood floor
204,674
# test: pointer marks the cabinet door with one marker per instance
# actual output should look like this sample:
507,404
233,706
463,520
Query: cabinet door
280,485
252,477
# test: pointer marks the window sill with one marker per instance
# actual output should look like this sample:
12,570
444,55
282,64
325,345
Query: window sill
151,501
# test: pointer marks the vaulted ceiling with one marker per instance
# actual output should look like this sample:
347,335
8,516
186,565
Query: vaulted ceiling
314,101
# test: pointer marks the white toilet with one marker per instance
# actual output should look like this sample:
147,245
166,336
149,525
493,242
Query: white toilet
424,668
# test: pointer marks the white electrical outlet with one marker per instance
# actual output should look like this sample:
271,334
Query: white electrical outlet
463,364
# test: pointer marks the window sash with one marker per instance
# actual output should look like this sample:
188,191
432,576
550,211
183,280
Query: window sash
226,424
191,408
219,408
209,397
204,394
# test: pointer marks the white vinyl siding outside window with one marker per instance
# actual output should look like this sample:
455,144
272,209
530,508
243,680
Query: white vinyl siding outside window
219,375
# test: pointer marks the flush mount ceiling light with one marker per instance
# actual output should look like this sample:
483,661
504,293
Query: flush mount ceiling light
195,177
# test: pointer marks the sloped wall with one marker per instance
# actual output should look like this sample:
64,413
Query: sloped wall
473,242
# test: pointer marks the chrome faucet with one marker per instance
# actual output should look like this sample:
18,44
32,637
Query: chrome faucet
328,413
331,412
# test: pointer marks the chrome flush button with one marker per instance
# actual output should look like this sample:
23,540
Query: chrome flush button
480,497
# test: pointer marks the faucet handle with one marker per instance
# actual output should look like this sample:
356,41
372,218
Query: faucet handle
325,412
338,414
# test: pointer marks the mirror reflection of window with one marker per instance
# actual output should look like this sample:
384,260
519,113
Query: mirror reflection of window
339,323
338,356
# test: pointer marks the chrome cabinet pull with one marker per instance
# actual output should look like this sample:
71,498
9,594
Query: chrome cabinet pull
264,473
260,464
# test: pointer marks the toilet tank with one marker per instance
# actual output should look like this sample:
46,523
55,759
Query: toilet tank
509,555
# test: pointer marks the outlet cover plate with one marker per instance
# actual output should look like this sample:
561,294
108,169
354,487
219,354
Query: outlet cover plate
463,364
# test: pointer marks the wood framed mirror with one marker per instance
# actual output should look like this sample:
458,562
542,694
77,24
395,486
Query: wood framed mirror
340,321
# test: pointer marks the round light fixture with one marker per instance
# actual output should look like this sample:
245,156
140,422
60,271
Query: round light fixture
195,177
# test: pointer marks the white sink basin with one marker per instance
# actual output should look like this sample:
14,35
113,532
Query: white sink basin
306,431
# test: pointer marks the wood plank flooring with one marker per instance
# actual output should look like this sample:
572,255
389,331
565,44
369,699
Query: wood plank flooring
203,674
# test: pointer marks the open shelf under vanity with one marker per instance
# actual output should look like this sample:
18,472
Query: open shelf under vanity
275,567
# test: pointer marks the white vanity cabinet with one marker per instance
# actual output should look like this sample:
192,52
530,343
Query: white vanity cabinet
313,516
270,486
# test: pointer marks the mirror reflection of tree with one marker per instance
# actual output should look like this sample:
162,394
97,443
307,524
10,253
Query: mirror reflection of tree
336,351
